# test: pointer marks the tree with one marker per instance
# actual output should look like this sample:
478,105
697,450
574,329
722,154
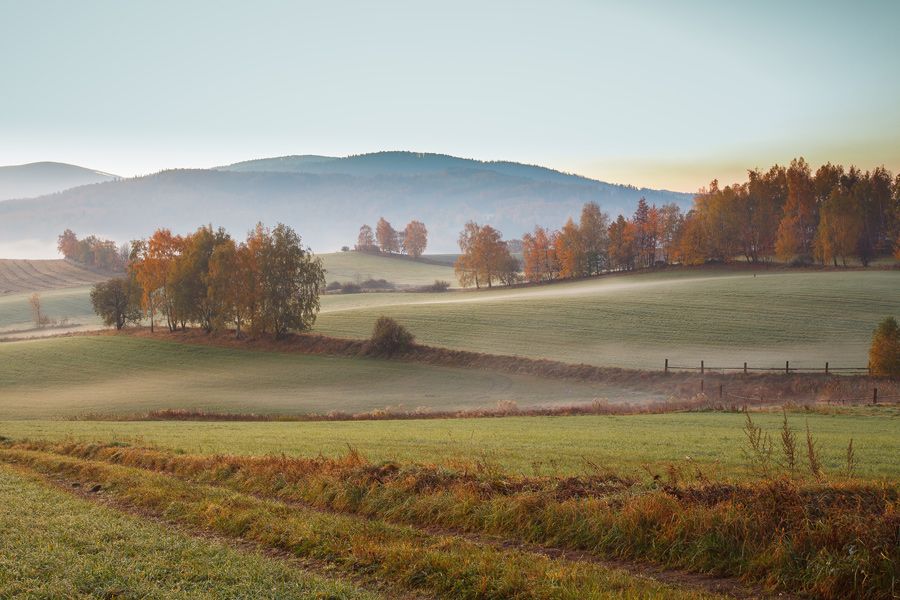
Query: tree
117,301
152,264
292,279
797,228
670,223
484,257
570,251
386,236
539,255
415,239
36,315
67,244
838,232
594,231
884,354
365,241
622,244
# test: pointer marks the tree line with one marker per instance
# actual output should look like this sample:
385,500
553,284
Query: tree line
268,283
412,240
92,251
786,213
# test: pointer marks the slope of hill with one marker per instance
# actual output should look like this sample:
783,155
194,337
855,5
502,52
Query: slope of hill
326,207
38,275
402,271
37,179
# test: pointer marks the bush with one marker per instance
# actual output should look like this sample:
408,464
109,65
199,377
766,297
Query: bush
390,337
351,288
884,355
440,285
333,286
377,284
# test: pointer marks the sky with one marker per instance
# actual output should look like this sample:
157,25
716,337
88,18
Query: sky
658,94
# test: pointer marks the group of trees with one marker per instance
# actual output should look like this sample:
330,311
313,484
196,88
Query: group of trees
412,240
92,251
794,215
485,257
786,213
595,244
268,283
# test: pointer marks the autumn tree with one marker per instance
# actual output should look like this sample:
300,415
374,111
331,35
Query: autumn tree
36,313
839,228
570,251
594,233
117,301
386,236
365,241
884,354
622,244
152,264
797,228
670,223
484,257
67,244
415,239
539,256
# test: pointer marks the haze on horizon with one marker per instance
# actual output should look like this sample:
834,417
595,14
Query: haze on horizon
650,94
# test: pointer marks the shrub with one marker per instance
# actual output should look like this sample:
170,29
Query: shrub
333,286
440,285
390,337
377,284
884,354
351,288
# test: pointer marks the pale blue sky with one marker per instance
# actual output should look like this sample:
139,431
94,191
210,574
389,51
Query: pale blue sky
667,94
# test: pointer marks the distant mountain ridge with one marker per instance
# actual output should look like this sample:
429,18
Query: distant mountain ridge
408,163
326,199
41,178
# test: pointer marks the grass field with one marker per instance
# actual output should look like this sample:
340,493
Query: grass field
355,267
72,304
121,374
57,546
525,445
723,317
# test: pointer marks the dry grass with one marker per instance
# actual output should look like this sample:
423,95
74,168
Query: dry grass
21,276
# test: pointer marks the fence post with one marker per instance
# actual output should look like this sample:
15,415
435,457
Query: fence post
702,368
826,368
667,366
745,368
721,390
787,367
701,386
874,395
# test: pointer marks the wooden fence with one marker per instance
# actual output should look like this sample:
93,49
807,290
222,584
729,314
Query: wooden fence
787,369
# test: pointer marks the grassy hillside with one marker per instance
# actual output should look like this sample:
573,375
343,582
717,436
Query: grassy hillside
724,317
526,445
116,374
357,266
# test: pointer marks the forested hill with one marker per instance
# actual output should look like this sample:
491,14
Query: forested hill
326,199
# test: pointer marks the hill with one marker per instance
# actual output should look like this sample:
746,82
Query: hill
722,316
326,200
354,267
40,178
26,276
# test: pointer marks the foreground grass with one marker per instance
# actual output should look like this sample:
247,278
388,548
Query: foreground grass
446,566
56,546
828,540
126,375
527,445
723,317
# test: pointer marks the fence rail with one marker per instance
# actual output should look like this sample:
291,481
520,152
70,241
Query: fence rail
787,369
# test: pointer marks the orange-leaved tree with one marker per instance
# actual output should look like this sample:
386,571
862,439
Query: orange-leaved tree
415,238
884,354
